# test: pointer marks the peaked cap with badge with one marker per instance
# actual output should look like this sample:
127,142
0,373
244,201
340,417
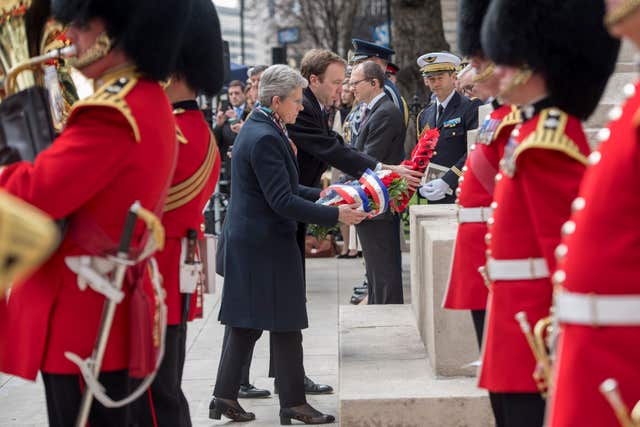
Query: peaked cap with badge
576,56
365,49
437,62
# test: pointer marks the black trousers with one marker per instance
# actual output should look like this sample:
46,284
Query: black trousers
380,241
287,352
64,394
246,364
517,409
166,402
478,324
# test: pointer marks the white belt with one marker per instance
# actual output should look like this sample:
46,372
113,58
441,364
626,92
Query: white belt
517,269
598,310
474,214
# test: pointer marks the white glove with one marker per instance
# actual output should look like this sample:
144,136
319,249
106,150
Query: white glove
435,190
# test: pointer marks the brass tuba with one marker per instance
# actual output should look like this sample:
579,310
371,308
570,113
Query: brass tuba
34,103
538,342
609,388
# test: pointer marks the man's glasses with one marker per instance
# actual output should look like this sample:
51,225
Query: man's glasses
354,84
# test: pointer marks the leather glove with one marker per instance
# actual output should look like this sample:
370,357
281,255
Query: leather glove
435,190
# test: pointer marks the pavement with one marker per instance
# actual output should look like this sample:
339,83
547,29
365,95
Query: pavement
329,284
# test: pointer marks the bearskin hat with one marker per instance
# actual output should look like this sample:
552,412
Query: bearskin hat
149,31
566,42
201,58
470,16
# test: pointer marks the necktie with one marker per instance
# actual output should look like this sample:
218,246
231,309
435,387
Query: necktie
440,115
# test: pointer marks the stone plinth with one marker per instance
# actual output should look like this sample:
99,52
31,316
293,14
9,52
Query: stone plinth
386,378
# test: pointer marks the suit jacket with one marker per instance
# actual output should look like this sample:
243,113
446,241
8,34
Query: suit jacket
381,133
319,146
460,116
225,136
382,136
263,270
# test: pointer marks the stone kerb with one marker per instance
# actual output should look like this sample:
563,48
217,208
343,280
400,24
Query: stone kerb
448,335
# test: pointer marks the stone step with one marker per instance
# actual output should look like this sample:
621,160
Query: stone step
386,380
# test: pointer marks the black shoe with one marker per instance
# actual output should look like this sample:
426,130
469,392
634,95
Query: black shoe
307,415
364,285
360,291
249,391
359,254
357,299
218,407
310,387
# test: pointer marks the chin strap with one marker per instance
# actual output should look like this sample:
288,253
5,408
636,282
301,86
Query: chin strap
100,48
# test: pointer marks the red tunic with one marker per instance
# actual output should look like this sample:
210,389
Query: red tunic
119,146
467,290
603,258
191,159
544,163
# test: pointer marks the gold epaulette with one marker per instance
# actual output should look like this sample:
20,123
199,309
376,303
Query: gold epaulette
405,110
112,95
183,192
513,118
419,131
550,135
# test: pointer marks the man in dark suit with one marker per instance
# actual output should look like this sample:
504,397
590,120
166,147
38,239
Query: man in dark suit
381,136
453,115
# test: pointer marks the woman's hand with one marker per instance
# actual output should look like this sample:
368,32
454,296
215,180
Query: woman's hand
348,214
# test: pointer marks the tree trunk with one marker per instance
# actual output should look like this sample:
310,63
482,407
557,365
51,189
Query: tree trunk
417,29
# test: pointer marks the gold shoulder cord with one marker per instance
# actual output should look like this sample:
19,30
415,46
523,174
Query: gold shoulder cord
550,135
185,191
513,118
112,95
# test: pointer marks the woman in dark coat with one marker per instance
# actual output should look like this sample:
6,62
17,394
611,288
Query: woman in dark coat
263,275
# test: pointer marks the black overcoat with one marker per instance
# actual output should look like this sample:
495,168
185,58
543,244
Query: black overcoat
263,276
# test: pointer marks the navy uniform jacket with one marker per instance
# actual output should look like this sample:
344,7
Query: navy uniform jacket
394,94
460,116
263,267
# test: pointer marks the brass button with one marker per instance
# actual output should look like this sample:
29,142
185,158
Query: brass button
615,113
561,252
629,90
578,204
604,134
568,228
594,158
498,177
559,277
494,205
487,239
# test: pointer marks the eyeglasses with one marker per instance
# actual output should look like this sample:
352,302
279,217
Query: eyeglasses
354,84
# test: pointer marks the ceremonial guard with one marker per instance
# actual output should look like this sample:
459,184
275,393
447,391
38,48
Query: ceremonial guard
597,299
199,70
118,147
545,57
453,115
467,290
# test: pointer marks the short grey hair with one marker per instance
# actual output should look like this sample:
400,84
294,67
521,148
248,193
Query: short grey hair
256,70
372,71
279,80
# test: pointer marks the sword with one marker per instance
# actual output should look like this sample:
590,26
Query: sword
108,312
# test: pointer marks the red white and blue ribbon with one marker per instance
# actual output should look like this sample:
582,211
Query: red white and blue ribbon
349,193
377,189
